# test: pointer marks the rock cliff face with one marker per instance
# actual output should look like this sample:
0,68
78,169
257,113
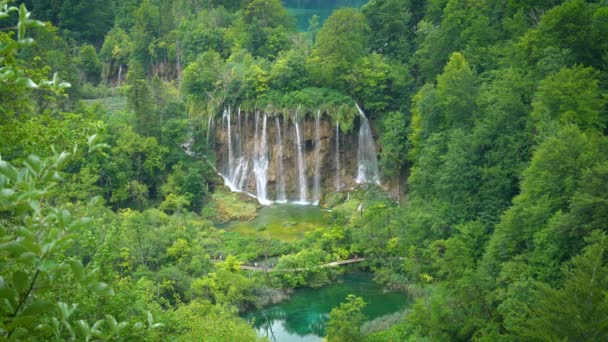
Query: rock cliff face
261,154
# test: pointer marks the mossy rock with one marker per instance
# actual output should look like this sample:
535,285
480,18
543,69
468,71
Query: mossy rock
332,199
228,206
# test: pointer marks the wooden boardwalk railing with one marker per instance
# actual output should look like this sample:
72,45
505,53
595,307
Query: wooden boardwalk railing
330,264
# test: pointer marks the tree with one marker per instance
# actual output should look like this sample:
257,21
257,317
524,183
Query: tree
303,269
464,27
114,54
575,311
456,92
265,27
571,96
345,321
200,78
34,240
124,12
86,21
289,72
225,286
340,43
269,13
139,98
390,22
393,138
548,184
88,63
369,82
313,27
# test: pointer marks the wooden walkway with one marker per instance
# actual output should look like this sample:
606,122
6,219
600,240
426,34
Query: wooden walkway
330,264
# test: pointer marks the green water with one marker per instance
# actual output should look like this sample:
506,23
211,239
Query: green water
287,222
304,317
303,10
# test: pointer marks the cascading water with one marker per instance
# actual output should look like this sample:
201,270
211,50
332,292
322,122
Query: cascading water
253,155
119,75
238,146
260,161
281,196
367,169
239,174
317,179
209,128
229,174
235,173
230,148
301,167
338,181
245,161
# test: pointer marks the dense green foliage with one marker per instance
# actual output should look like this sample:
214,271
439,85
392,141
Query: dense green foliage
491,118
345,321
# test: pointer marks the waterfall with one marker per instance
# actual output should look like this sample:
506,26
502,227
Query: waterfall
230,149
301,164
228,129
260,161
230,169
281,197
239,174
239,147
245,166
317,179
249,147
209,127
367,170
338,182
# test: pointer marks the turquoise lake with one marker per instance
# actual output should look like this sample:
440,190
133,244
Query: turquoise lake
305,315
303,10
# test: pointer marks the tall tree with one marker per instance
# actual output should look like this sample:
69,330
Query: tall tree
391,24
340,42
86,21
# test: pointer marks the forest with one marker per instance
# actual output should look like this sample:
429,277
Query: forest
489,212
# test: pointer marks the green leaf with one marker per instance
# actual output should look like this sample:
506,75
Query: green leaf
34,23
26,82
21,23
62,159
33,164
92,140
122,326
20,281
26,233
26,42
97,326
84,328
102,289
8,170
28,258
48,266
8,293
66,310
37,308
13,247
34,205
7,193
112,323
78,270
